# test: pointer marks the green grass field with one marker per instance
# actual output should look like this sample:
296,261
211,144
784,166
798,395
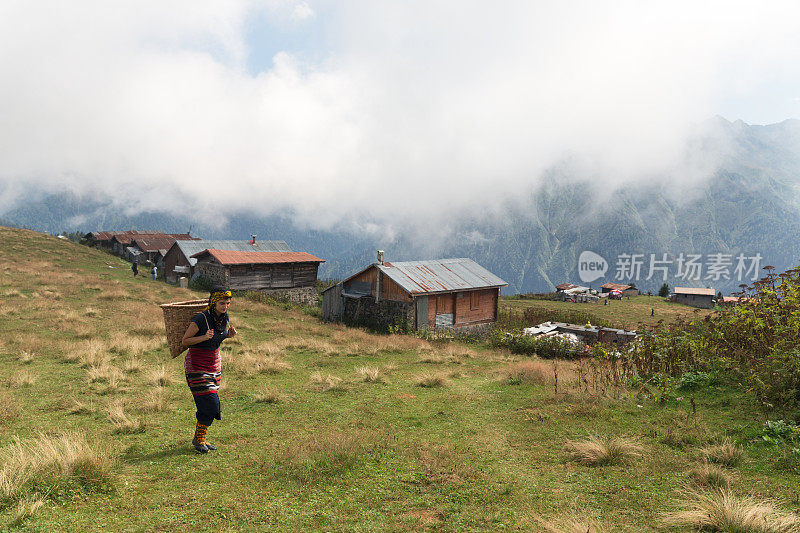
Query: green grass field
324,427
628,314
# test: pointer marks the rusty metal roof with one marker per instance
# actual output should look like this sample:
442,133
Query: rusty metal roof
189,248
153,244
566,286
615,286
695,290
229,257
440,275
127,237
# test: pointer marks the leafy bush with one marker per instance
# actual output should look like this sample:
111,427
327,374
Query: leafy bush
544,347
696,380
780,432
753,343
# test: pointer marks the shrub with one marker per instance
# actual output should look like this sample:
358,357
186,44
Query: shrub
544,347
754,343
603,451
779,432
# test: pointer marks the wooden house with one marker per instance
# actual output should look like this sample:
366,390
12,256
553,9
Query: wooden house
694,296
178,260
440,293
124,239
626,290
292,275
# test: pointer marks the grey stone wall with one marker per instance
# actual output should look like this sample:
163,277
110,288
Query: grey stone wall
215,274
297,295
364,311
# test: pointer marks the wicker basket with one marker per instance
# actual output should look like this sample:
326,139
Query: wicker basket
177,316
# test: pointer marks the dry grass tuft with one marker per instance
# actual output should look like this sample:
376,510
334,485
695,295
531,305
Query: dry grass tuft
26,507
432,358
92,352
725,454
104,373
25,358
274,364
527,372
325,454
269,396
156,400
602,451
114,294
370,375
710,475
122,422
49,461
160,377
721,510
132,365
327,382
124,343
91,312
23,378
429,380
78,407
573,524
10,408
251,363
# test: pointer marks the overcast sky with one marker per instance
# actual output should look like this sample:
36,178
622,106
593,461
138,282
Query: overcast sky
352,111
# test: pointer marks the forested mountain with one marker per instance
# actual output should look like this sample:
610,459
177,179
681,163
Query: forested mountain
749,206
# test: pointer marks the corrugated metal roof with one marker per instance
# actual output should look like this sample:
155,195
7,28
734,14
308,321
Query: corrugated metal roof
440,275
228,257
694,290
189,248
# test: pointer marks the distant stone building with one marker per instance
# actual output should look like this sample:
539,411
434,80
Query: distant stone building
440,293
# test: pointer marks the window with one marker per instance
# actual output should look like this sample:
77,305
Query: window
473,300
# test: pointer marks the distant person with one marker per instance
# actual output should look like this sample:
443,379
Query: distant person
135,268
652,312
155,272
203,363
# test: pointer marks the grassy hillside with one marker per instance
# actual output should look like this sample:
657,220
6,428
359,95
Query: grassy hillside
628,314
325,427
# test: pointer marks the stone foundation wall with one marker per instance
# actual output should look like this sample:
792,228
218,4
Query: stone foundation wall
216,275
474,328
364,311
296,295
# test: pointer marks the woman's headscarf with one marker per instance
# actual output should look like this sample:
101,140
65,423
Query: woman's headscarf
217,294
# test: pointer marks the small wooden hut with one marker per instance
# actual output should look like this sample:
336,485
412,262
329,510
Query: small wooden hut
439,293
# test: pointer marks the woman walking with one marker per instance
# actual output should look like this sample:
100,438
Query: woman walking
203,364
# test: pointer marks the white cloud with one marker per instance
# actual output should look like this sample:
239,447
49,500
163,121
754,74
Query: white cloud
302,11
416,110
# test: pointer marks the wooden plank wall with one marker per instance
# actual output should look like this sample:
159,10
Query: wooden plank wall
278,276
389,289
459,302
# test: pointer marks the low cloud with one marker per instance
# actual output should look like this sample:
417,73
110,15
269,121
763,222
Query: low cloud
401,113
